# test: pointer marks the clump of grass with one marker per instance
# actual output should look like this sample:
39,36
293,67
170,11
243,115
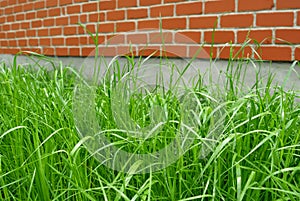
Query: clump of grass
43,158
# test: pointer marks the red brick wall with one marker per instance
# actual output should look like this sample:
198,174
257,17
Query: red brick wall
50,27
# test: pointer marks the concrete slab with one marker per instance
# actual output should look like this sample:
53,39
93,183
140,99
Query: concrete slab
285,74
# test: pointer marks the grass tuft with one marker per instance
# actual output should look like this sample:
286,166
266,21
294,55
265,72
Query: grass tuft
42,157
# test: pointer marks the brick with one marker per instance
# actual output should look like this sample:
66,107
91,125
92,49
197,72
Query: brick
18,8
15,26
61,51
87,51
2,20
203,22
81,30
83,18
148,3
275,53
45,41
55,31
72,41
298,18
173,1
10,18
20,34
107,5
126,50
41,13
188,37
30,33
39,5
218,36
70,30
54,12
19,17
108,51
12,51
49,51
57,41
11,2
246,5
6,27
137,13
106,27
203,52
30,15
137,39
114,39
89,41
286,4
165,51
51,3
235,52
161,37
62,21
260,36
28,6
96,17
83,40
127,3
43,32
73,9
3,3
6,50
174,23
8,10
4,43
116,15
89,7
189,8
275,19
12,43
25,25
64,2
74,19
162,11
26,50
125,26
175,51
22,42
11,35
91,28
2,35
149,50
80,1
33,42
36,23
101,40
148,24
287,36
237,20
219,6
297,53
74,51
48,22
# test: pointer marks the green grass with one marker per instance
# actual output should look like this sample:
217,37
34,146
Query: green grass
42,157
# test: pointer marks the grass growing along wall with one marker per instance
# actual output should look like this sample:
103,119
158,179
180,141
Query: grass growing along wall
42,156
